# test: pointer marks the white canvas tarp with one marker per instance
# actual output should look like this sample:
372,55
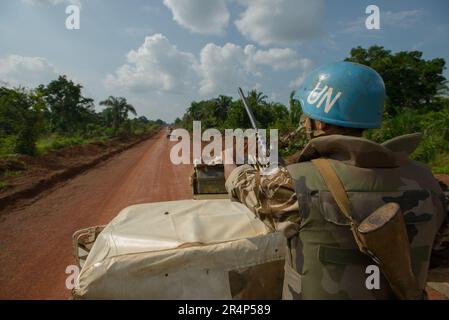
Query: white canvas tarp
190,249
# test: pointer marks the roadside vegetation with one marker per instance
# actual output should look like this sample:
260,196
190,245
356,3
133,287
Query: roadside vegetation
35,122
417,101
57,115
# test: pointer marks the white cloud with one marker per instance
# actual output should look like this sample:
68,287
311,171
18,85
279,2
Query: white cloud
156,66
159,66
26,71
270,22
298,81
157,72
200,16
223,69
306,68
277,58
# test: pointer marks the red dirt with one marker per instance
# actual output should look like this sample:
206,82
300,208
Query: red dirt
57,166
35,241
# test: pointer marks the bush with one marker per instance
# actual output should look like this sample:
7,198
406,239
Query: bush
56,142
434,125
26,141
11,164
441,163
7,145
108,132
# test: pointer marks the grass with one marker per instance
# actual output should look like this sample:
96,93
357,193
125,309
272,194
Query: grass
56,142
12,173
440,164
3,185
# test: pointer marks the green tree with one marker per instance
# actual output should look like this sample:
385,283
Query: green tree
143,120
267,114
68,110
237,117
204,111
257,97
295,109
117,111
410,81
223,103
21,117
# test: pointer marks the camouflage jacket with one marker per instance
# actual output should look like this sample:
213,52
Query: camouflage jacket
274,200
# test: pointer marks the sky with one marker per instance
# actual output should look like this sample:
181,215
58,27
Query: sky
163,54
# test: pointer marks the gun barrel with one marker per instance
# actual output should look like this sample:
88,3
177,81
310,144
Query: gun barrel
248,110
260,139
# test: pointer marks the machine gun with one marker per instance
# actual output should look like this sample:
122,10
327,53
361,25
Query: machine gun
261,160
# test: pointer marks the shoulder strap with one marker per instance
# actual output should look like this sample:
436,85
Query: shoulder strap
340,196
335,186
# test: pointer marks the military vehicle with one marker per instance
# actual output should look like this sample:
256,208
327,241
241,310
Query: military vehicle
208,182
205,248
170,130
188,249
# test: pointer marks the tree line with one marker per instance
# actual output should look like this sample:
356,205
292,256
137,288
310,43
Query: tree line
417,101
60,110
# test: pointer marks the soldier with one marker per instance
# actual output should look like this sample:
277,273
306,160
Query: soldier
339,102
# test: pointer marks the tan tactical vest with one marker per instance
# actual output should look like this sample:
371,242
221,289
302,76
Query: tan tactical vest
323,261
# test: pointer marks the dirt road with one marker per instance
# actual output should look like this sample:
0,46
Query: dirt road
35,241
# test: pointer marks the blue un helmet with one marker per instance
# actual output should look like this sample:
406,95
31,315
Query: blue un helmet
345,94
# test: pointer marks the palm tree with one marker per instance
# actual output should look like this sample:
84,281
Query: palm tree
223,105
257,97
119,110
295,109
292,100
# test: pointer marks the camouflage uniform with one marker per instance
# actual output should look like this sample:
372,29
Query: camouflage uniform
323,260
